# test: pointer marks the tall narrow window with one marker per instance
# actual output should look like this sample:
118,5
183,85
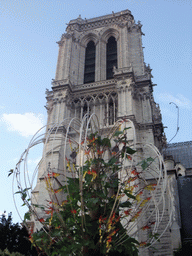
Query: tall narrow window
111,112
111,56
87,110
89,73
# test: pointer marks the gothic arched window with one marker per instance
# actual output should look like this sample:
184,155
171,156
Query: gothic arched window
111,110
89,73
111,56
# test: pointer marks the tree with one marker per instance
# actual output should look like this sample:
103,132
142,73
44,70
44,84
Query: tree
96,202
14,238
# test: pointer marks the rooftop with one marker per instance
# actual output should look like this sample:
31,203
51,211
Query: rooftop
80,24
181,152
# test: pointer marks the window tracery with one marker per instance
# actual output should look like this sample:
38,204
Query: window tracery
104,105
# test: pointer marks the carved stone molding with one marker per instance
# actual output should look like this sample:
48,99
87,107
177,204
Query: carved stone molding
65,36
156,111
95,85
132,27
121,19
140,93
64,82
122,71
48,93
49,106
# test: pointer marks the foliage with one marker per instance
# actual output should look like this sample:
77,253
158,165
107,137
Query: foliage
7,253
97,201
14,238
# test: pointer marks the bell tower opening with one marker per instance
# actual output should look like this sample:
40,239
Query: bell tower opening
89,72
111,56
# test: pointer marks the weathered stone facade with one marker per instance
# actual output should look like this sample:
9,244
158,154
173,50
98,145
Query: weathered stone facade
130,90
127,94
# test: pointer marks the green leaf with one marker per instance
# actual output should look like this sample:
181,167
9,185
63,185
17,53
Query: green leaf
130,151
26,189
129,195
117,140
10,172
27,216
150,159
24,195
112,161
88,178
125,204
18,192
144,165
39,240
106,142
95,200
117,133
133,240
56,232
38,206
99,140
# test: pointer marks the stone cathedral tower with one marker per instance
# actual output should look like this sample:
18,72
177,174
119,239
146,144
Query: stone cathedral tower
101,70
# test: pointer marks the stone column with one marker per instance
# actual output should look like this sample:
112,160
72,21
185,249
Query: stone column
67,58
146,109
119,50
101,112
81,65
125,59
58,120
107,117
119,113
98,61
124,101
103,60
64,112
81,115
60,61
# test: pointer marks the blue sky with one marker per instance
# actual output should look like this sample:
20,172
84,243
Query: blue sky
28,35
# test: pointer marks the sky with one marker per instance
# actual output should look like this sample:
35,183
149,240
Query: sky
29,31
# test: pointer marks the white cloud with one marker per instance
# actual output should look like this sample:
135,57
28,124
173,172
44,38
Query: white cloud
26,124
180,100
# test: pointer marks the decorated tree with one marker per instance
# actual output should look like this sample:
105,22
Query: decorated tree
99,203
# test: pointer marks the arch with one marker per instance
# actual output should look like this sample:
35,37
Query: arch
87,38
89,70
108,33
111,106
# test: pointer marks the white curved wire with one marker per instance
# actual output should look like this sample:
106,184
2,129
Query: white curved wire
82,129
